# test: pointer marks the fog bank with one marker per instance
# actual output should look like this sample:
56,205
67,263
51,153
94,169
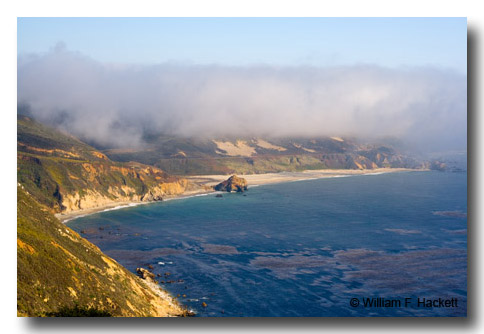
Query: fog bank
115,105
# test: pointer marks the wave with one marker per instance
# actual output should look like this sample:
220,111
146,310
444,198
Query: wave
121,207
306,179
163,263
69,219
189,196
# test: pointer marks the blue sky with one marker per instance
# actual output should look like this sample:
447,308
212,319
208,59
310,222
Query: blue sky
388,42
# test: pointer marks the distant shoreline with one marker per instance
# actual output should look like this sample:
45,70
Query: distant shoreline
280,177
252,179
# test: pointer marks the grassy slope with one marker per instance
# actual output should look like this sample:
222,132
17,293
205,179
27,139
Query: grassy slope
56,268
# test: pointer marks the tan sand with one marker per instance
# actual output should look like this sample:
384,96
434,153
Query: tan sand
240,148
268,178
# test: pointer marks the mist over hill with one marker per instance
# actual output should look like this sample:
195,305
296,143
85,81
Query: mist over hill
123,106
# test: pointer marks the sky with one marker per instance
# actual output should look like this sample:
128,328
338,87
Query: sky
389,42
265,77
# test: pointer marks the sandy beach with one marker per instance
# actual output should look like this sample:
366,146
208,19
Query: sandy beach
268,178
252,179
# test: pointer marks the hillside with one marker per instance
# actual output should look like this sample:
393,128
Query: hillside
57,270
191,156
66,175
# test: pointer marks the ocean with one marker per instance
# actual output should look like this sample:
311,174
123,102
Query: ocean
391,244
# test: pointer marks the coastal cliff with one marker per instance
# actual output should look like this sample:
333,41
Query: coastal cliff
59,272
67,175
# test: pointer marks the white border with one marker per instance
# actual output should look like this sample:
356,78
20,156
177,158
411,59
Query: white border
10,10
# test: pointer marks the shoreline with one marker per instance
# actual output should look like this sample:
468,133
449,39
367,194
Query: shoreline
68,216
252,180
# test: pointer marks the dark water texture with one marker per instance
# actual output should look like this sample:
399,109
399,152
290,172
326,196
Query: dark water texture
302,248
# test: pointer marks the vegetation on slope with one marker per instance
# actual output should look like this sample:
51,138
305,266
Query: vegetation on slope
59,273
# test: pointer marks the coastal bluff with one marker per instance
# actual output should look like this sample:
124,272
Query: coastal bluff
233,183
59,273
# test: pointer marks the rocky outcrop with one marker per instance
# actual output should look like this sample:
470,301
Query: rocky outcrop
437,165
145,274
150,197
233,183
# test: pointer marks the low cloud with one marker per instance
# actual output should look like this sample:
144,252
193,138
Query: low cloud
115,105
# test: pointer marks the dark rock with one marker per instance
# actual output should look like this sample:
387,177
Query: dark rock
150,267
219,195
150,197
145,274
233,183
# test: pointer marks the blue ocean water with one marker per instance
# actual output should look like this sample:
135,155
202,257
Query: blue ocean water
303,248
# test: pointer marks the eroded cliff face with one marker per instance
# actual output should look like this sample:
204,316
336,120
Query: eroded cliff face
67,185
87,199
